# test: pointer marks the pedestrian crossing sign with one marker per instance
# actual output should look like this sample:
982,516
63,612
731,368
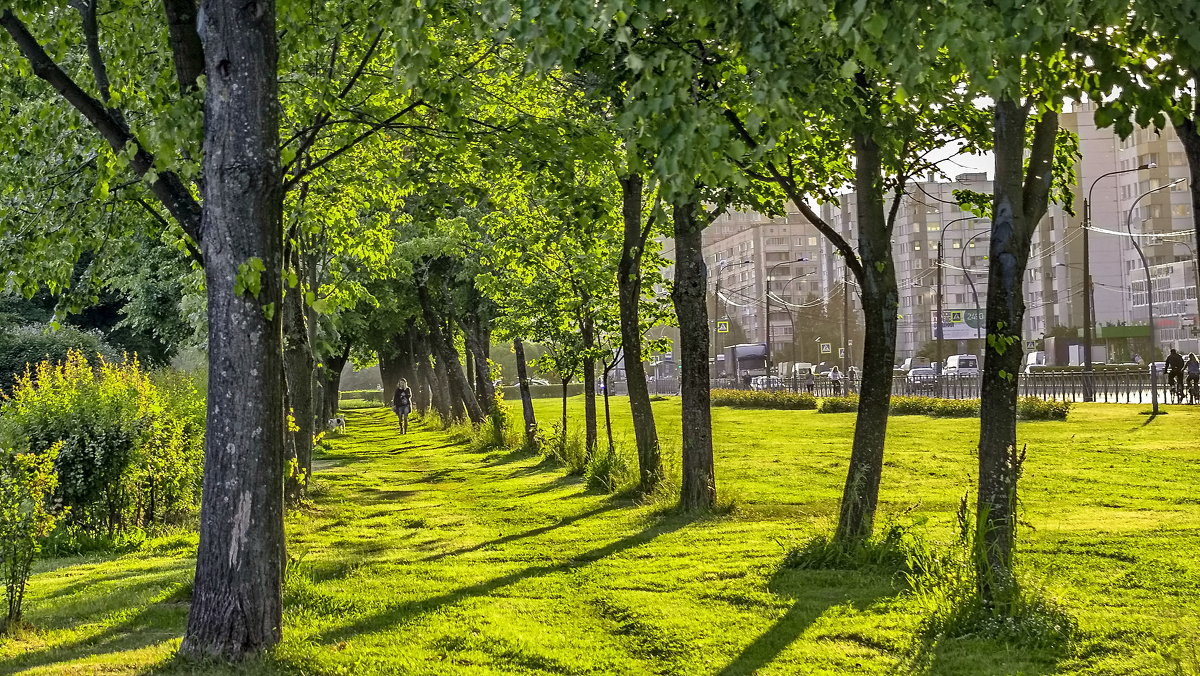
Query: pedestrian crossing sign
826,348
723,326
956,316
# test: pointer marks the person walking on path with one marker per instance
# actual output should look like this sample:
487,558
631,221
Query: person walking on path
810,381
402,404
835,377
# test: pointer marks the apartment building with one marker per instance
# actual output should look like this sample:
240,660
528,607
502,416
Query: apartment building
743,251
1133,185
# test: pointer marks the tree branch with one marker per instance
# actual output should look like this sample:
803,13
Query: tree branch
167,187
375,128
185,42
1039,176
788,184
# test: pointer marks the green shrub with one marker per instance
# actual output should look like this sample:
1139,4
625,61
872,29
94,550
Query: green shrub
912,405
1033,408
762,399
954,408
130,451
27,481
838,404
24,346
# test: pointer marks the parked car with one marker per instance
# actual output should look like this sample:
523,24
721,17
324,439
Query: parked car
921,380
961,365
914,363
766,383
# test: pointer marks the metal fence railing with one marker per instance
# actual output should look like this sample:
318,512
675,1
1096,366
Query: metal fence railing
1131,386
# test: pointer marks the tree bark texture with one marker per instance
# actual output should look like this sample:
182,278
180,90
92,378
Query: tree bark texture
526,397
330,376
236,599
880,299
1019,202
629,297
1189,136
298,370
477,347
699,488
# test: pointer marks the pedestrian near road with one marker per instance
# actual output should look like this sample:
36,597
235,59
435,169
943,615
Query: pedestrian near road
402,404
810,381
1175,366
835,377
1193,377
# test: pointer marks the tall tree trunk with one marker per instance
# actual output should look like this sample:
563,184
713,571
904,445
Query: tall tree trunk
298,370
1189,136
629,296
880,299
486,388
699,489
477,347
607,412
591,434
459,390
526,398
563,440
331,377
237,605
426,383
1019,202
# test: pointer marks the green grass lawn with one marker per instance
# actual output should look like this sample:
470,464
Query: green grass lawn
421,556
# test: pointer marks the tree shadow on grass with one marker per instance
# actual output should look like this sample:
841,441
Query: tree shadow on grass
813,593
541,530
404,612
147,626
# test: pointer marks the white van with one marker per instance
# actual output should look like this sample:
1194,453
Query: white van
961,365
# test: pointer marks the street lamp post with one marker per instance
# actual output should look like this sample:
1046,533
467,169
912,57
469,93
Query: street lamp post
770,272
1145,263
1088,390
792,319
941,356
717,303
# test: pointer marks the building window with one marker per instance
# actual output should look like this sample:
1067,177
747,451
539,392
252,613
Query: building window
776,241
1177,159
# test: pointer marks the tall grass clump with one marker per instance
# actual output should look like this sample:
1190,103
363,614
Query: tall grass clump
130,445
947,590
567,447
899,548
802,401
609,469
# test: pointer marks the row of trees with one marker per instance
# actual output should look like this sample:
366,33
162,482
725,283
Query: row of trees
386,178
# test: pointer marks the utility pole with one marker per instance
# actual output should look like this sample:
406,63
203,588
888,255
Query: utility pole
937,325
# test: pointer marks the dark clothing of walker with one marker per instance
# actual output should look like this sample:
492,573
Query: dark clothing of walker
402,405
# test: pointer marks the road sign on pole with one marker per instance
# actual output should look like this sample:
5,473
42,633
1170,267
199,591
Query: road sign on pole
826,348
841,353
723,326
